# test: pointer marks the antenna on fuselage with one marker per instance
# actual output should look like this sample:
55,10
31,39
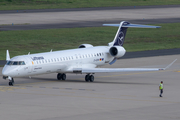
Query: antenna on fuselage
51,50
29,53
7,55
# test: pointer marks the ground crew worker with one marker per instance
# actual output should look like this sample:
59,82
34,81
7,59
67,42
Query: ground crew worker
161,88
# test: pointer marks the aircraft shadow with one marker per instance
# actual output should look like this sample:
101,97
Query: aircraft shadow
95,82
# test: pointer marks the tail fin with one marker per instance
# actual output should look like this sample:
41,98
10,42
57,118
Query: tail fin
121,33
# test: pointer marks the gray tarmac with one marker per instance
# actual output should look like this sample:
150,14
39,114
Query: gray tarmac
126,96
86,17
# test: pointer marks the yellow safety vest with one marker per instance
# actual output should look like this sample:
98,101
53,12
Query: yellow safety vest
161,86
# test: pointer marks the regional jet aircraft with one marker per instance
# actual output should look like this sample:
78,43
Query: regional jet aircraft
83,60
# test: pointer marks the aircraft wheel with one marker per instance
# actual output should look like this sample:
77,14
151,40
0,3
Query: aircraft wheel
63,76
59,76
87,78
11,84
91,78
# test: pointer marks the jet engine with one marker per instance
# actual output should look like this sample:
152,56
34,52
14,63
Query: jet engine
117,51
85,46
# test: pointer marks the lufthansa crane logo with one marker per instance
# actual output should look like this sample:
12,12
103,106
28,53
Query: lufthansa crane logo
120,38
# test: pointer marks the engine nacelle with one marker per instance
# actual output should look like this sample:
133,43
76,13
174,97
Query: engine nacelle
117,51
85,46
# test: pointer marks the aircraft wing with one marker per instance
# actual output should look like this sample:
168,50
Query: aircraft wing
107,70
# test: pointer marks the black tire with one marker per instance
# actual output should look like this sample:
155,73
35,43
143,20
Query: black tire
10,84
59,76
91,78
87,78
63,76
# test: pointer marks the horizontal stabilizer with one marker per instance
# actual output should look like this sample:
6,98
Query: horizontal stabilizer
132,25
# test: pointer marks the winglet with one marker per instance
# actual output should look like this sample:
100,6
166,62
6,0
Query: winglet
169,65
7,55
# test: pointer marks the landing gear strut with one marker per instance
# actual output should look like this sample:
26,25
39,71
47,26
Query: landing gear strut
89,78
61,76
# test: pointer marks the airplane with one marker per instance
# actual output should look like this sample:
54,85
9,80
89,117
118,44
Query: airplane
83,60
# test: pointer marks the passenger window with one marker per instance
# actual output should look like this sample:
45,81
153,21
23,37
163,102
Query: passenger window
100,54
40,62
57,59
97,54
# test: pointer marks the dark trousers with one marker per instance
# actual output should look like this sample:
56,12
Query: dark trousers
161,92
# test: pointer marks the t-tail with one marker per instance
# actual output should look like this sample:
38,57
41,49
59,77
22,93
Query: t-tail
116,50
121,33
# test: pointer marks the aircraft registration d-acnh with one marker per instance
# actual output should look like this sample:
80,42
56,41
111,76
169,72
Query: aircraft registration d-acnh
83,60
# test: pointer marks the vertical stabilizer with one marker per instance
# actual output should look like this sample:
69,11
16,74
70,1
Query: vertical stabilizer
120,35
7,55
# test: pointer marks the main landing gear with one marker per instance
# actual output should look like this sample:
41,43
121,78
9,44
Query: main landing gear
61,76
89,78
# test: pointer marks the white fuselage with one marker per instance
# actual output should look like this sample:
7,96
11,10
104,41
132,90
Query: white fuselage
59,61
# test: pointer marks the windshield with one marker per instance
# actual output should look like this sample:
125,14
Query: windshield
15,63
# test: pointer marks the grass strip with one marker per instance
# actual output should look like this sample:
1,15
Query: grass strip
137,39
51,4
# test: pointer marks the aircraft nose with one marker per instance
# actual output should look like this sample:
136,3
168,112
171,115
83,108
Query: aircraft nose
8,71
5,72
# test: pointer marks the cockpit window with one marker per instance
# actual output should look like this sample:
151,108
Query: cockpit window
9,63
21,63
15,63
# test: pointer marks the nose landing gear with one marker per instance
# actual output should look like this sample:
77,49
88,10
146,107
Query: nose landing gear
11,81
